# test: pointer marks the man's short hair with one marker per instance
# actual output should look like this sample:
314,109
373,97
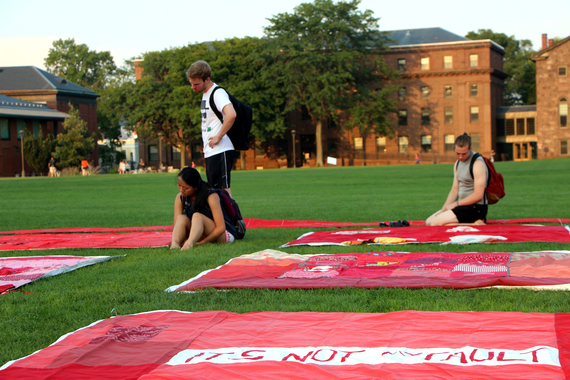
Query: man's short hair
199,69
463,140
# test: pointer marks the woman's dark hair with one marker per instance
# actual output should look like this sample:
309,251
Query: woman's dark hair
192,177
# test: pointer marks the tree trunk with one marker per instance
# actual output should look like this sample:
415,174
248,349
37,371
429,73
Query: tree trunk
182,148
319,138
242,159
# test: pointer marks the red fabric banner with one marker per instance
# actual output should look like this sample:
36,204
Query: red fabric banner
280,270
438,234
307,345
18,271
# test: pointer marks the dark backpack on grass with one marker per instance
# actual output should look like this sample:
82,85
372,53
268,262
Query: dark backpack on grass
495,188
239,132
233,212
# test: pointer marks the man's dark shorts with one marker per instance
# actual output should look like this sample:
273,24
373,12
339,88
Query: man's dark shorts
218,168
471,213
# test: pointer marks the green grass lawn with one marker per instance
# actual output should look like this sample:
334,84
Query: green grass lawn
136,282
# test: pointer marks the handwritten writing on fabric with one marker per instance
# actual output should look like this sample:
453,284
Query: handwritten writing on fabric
464,356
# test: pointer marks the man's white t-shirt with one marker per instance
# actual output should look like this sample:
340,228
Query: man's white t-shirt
211,125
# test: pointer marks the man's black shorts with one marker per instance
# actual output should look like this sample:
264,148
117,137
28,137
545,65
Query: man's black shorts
471,213
218,168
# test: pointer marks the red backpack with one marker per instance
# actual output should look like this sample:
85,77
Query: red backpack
495,188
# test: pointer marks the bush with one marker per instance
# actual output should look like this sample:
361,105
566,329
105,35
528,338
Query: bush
70,171
113,171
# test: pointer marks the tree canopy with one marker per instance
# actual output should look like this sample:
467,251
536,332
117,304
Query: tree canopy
74,143
327,62
78,64
38,150
520,86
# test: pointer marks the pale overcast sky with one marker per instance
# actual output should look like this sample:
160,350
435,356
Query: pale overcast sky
129,28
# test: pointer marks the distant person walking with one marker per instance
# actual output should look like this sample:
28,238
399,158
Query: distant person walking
84,166
52,168
417,158
219,151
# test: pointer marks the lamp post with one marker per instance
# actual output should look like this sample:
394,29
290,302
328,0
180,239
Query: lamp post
21,132
160,152
294,155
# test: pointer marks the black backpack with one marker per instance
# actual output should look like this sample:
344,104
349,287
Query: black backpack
239,132
233,212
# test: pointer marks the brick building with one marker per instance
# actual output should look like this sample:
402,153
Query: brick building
552,98
35,86
15,116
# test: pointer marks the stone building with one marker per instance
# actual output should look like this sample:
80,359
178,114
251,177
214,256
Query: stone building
552,98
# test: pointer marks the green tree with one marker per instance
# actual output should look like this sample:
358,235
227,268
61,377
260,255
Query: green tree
328,61
74,143
37,150
78,64
520,86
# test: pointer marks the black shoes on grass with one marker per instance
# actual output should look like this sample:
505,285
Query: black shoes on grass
399,223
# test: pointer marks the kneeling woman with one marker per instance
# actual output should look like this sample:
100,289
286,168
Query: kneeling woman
199,216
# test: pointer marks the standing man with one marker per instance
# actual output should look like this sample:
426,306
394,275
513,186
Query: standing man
219,151
52,169
84,166
466,202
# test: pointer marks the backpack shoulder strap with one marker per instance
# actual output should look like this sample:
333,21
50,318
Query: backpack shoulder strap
213,104
473,159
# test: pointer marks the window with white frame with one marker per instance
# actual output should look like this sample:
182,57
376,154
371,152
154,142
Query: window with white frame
475,142
426,143
424,63
564,147
402,94
402,117
4,129
425,92
358,143
474,114
36,128
175,154
401,64
562,71
563,112
20,126
474,90
449,143
473,60
381,144
425,116
448,62
403,144
448,115
447,91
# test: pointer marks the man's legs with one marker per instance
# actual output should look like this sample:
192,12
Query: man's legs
441,218
218,170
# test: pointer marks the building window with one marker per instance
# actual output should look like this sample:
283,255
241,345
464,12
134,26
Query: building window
426,143
475,142
473,60
20,126
447,91
562,71
530,126
520,127
510,127
152,153
474,111
474,90
401,64
425,116
563,112
175,152
381,144
402,117
425,63
563,146
358,143
449,116
36,128
402,94
449,143
425,93
448,62
403,144
4,129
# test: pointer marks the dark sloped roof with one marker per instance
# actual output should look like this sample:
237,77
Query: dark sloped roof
18,108
516,109
424,36
31,78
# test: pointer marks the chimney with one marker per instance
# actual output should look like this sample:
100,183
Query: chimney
550,42
544,39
